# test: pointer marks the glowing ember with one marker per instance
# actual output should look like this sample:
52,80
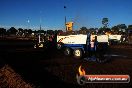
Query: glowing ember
81,71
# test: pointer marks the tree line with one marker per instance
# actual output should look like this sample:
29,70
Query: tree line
23,32
117,29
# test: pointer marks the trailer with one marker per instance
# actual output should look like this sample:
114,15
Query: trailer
129,36
115,39
79,45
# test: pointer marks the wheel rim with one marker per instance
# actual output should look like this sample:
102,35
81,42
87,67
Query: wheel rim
67,52
59,46
77,53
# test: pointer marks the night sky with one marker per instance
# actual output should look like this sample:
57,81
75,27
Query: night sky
50,13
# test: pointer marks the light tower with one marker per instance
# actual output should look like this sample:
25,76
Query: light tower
65,19
68,25
28,23
40,27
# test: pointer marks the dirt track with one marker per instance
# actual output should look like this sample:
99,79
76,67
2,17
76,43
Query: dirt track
46,68
66,68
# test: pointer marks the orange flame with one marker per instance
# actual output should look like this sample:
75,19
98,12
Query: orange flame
81,71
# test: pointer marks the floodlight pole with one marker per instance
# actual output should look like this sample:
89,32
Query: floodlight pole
28,21
40,28
65,18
